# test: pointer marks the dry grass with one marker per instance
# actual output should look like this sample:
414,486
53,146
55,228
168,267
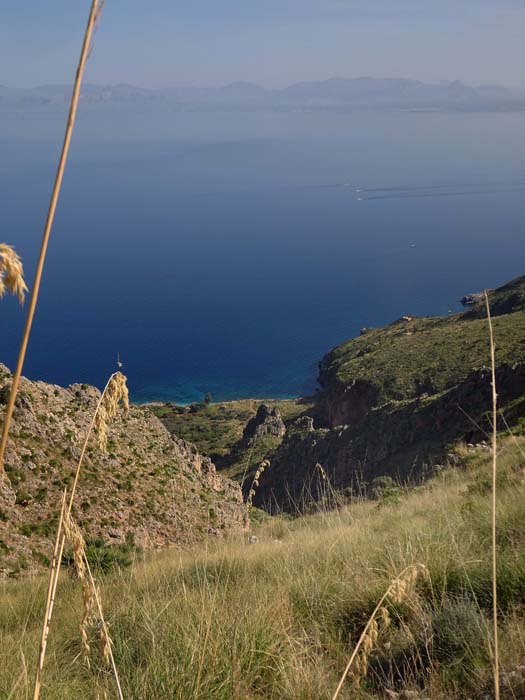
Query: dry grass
494,501
399,591
115,393
265,464
50,600
93,615
76,539
11,273
278,620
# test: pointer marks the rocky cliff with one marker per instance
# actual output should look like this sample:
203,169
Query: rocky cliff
266,422
395,398
151,489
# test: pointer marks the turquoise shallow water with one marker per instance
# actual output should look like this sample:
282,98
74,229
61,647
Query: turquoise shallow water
226,252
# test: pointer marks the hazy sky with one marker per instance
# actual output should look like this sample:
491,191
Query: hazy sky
273,42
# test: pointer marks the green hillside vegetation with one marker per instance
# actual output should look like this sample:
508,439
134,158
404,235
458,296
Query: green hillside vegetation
216,429
279,618
427,355
422,384
506,299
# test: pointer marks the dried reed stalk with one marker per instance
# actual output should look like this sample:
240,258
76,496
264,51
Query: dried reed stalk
93,16
322,472
494,504
117,391
401,588
92,605
11,273
255,483
78,545
55,564
106,642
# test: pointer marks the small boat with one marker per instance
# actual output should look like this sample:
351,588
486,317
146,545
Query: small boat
119,363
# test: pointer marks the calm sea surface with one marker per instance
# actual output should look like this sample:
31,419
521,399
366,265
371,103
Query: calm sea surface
227,252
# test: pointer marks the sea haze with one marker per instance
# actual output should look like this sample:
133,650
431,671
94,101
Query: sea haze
228,250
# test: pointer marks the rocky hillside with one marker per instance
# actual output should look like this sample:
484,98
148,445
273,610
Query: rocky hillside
392,403
394,399
236,435
151,489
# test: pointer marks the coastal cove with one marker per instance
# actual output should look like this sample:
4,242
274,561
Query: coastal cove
225,252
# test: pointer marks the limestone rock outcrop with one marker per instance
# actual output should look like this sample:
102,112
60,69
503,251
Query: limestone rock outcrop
151,488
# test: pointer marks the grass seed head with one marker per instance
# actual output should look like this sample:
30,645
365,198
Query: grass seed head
385,617
367,647
322,472
403,587
255,483
11,273
116,393
106,644
76,539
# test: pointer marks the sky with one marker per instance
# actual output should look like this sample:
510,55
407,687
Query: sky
157,43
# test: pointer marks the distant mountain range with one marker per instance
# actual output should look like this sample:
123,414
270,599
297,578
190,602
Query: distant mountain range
332,93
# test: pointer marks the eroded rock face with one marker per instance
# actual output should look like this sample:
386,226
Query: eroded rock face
504,300
267,421
398,438
471,299
151,488
393,399
346,404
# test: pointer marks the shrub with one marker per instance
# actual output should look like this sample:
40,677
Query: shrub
104,557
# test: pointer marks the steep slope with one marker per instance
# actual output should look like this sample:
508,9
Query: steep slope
393,399
278,620
152,489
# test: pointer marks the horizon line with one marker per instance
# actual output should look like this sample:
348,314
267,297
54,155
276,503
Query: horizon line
442,82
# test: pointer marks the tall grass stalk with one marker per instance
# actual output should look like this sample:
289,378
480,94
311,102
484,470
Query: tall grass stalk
255,483
494,502
93,16
116,380
105,638
50,600
398,590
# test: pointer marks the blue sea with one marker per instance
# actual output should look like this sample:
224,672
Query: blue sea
228,251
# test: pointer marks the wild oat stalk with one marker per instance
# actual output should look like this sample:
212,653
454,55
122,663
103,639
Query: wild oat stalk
50,601
78,545
399,590
255,483
322,472
114,392
494,503
92,606
93,16
11,273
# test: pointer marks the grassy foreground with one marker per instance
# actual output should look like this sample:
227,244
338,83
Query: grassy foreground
279,618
